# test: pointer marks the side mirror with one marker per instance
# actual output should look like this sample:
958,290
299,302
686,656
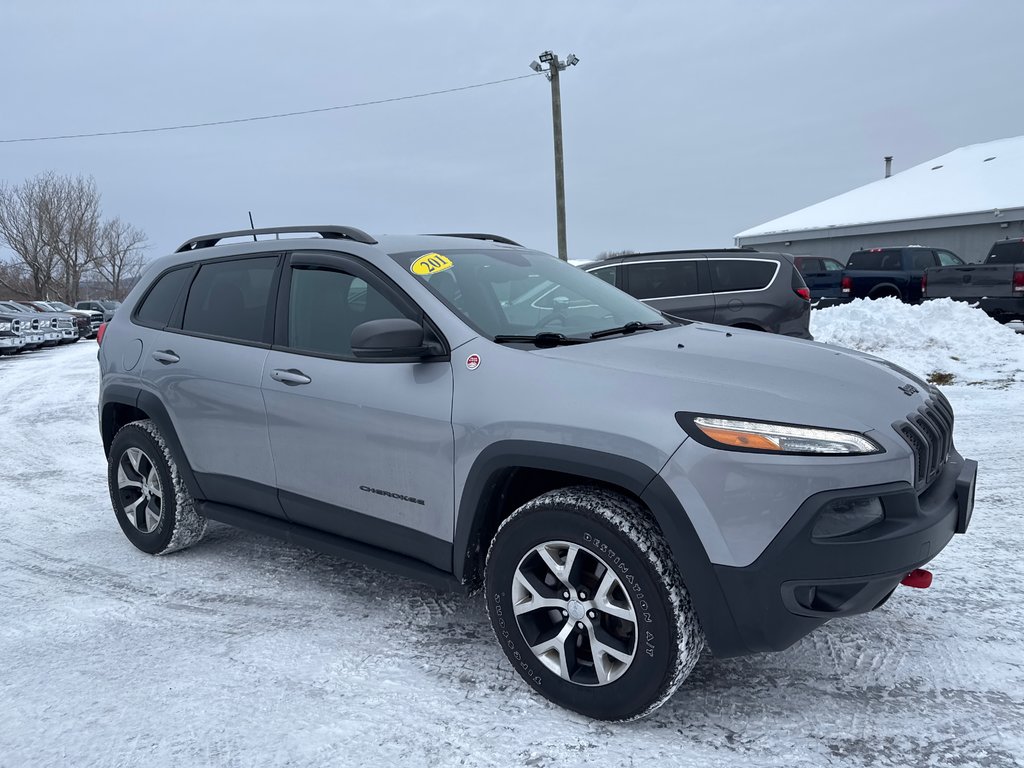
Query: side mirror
390,338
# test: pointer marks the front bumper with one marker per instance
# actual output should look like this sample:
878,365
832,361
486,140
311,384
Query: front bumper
798,583
11,342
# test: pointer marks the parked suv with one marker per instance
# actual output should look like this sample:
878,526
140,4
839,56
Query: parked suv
739,287
624,487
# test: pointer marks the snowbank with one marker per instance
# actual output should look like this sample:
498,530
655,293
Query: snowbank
937,337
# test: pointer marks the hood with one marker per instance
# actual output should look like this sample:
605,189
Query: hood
761,376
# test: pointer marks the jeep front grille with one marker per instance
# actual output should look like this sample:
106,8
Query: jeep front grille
929,433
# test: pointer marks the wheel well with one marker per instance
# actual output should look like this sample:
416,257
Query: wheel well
115,416
885,291
507,490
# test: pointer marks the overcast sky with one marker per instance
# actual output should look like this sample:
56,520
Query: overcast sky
684,123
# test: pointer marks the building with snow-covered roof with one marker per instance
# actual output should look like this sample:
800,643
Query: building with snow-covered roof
962,201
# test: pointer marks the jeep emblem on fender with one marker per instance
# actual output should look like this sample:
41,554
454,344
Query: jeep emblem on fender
908,389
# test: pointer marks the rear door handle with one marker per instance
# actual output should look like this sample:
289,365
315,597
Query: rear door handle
166,356
289,376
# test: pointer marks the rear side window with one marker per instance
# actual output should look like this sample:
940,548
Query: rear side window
922,259
663,279
155,310
875,260
741,275
231,298
1006,252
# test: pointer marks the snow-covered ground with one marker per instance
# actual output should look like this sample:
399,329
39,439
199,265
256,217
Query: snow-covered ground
244,651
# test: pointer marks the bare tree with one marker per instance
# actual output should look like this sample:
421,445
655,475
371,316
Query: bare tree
54,227
120,258
24,228
612,254
73,230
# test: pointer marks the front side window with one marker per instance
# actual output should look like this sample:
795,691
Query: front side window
948,258
741,274
230,299
155,310
325,306
663,279
502,292
831,265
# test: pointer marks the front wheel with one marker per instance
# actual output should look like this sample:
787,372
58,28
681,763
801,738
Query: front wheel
588,605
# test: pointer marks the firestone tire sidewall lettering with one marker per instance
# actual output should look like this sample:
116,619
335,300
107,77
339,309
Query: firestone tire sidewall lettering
630,695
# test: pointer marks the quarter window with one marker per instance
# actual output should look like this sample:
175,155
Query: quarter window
740,275
663,279
230,299
155,310
325,306
609,274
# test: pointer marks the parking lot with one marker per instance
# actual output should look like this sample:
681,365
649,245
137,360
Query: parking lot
247,651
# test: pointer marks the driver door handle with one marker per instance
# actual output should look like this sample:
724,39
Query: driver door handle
290,376
166,356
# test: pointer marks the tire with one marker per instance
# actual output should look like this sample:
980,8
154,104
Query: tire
886,293
613,543
150,500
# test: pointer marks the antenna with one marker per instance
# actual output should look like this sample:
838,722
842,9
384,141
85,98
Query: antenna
252,227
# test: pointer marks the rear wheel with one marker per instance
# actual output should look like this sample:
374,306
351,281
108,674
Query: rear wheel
151,503
588,605
886,292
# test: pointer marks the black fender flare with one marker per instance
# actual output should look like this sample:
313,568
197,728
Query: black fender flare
153,407
482,488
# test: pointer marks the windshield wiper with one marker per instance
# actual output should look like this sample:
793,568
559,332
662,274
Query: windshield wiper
630,327
542,339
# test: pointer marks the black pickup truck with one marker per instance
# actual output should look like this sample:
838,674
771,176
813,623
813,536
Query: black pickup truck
996,285
878,273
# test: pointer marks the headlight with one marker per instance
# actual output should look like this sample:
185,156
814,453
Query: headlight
5,326
764,437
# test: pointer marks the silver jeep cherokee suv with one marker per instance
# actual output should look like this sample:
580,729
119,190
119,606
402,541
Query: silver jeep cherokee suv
626,488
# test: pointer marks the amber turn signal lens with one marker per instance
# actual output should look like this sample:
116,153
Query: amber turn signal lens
739,439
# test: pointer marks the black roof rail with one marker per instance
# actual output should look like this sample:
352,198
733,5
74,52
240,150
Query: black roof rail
326,231
476,236
743,249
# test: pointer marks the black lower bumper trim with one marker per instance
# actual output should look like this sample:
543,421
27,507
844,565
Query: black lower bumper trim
799,582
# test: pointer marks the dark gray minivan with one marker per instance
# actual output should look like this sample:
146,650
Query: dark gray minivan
739,287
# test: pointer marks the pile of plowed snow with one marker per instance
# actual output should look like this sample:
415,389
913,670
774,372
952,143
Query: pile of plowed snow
931,339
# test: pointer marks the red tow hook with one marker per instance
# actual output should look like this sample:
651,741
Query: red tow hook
918,578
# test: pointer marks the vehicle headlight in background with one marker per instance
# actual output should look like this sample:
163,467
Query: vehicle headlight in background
5,326
759,436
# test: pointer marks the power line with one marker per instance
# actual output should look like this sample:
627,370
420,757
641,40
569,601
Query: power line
257,118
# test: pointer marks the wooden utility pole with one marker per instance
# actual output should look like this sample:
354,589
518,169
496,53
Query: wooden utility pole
554,67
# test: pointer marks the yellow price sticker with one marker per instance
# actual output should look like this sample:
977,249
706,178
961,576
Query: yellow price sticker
429,263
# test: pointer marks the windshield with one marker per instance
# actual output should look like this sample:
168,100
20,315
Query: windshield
106,304
522,293
59,305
